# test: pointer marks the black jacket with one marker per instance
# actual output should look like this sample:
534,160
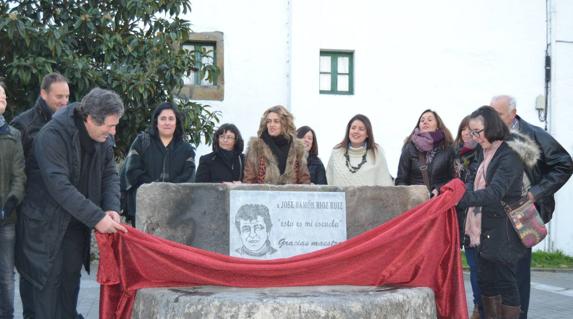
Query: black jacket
53,196
151,161
214,169
440,171
504,181
29,124
552,170
316,170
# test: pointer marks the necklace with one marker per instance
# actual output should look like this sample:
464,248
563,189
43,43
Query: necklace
354,169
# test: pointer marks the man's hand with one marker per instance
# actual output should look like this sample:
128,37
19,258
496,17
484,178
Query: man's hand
114,215
108,225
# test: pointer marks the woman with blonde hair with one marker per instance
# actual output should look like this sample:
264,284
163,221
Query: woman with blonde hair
275,155
358,160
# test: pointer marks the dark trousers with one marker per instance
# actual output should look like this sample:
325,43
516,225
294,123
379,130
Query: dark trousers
496,278
7,240
524,282
27,296
59,296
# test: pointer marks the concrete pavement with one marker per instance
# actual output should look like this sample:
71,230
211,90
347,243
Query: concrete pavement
551,296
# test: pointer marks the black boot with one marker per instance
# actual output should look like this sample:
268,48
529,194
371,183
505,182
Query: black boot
510,312
491,306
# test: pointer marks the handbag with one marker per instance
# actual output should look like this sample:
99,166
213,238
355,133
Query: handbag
526,221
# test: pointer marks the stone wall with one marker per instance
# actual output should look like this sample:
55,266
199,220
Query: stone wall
198,214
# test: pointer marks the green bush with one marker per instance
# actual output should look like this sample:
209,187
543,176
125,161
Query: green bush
133,47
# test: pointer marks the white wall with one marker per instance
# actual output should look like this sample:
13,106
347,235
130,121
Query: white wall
561,111
449,55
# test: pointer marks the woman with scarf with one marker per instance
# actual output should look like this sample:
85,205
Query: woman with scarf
499,179
226,162
159,154
427,156
465,148
275,155
358,160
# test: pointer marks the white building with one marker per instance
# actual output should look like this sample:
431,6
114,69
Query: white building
448,55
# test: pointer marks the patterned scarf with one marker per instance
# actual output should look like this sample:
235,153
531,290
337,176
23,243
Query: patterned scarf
473,219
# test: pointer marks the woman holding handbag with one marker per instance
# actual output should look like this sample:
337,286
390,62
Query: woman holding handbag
499,178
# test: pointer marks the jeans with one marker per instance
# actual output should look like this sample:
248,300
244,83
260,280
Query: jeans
471,258
524,282
7,240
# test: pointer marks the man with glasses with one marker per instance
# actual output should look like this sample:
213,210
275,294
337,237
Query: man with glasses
549,174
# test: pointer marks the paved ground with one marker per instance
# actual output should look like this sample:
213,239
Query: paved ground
551,295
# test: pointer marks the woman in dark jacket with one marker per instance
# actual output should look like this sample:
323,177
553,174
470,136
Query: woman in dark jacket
226,162
499,177
429,148
159,154
315,166
465,148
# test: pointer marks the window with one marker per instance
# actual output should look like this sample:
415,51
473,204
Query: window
336,72
208,51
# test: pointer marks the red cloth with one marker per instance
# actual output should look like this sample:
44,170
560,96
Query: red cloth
419,248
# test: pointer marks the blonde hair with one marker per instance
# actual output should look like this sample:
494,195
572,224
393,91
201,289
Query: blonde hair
286,118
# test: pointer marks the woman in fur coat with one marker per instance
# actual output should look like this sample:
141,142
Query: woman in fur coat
499,177
275,155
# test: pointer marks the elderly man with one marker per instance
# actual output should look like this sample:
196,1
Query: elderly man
73,188
549,174
54,95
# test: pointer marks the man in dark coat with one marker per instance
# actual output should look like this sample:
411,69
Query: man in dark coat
546,177
73,187
54,95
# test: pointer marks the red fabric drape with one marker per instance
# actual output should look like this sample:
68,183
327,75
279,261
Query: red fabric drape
419,248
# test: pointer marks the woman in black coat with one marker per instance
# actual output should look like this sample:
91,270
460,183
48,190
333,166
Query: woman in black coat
429,147
499,177
159,154
226,162
315,166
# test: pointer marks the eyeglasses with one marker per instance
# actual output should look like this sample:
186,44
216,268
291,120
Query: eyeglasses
226,137
475,133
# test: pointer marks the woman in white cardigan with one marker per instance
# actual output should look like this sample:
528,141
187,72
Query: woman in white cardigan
358,160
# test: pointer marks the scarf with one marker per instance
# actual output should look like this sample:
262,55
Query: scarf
3,125
280,146
473,219
427,142
231,160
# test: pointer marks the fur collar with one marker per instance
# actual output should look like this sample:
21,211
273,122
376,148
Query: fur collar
525,147
259,149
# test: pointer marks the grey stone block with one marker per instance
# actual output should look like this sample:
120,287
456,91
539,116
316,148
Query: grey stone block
344,302
198,214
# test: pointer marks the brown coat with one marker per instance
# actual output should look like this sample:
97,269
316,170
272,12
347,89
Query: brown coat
261,166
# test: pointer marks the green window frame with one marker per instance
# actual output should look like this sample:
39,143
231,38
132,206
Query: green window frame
336,72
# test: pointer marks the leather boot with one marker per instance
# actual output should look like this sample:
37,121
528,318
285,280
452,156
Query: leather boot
475,312
510,312
491,306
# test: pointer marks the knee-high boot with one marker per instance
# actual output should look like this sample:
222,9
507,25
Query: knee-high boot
510,312
491,306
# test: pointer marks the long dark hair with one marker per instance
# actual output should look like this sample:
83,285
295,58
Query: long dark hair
448,139
370,143
301,132
228,127
463,124
178,134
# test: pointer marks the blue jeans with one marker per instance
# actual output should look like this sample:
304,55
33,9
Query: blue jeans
471,258
7,240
